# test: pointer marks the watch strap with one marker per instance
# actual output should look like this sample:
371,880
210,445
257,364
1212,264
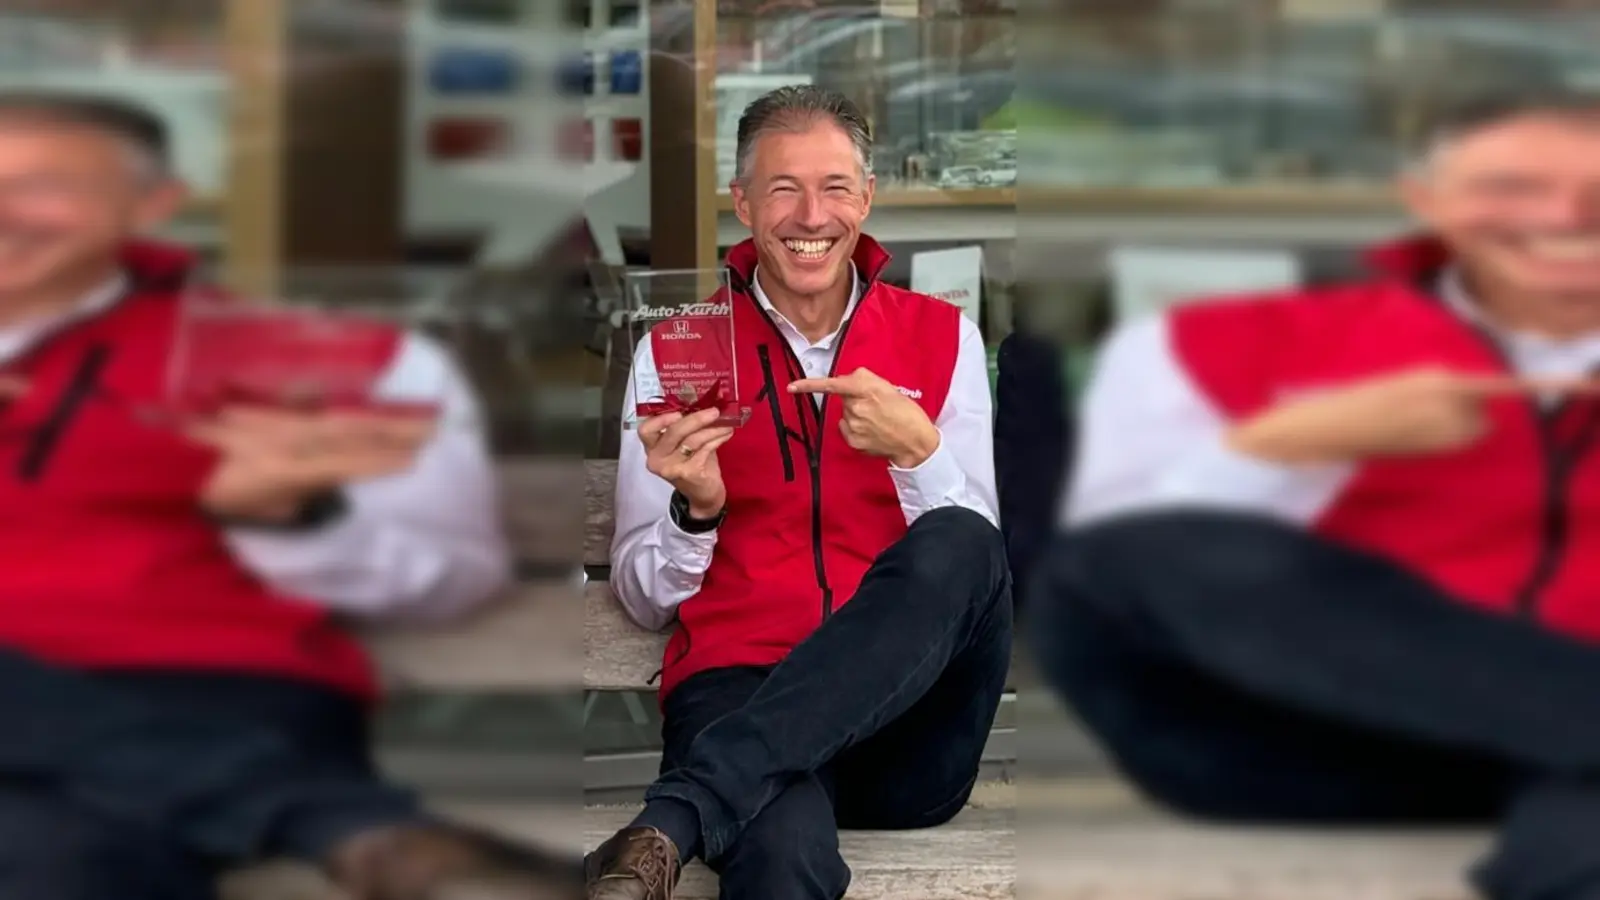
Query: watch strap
319,511
689,524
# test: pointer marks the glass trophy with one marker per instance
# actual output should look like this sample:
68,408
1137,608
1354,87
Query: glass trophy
681,327
240,352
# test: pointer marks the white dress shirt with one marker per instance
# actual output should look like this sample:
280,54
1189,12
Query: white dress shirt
1150,438
655,565
422,545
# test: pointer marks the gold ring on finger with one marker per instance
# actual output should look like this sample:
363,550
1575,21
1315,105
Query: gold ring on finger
686,450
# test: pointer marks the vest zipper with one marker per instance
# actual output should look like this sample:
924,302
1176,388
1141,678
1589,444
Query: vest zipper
1559,463
811,413
1552,548
769,386
79,391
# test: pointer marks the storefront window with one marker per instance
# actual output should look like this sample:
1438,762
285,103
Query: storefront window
165,55
1263,93
936,85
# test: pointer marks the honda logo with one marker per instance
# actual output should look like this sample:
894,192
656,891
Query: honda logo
681,326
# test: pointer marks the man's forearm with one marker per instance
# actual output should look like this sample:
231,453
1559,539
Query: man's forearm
657,567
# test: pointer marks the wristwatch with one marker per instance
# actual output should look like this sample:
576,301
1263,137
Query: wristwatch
679,511
318,512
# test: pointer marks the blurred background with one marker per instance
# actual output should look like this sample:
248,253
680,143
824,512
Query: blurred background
1053,169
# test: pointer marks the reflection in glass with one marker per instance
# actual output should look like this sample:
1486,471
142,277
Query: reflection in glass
936,89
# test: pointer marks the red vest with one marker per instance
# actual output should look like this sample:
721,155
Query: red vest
806,514
1511,523
106,560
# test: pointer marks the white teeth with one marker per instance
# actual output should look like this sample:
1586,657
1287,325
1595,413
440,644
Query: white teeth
812,250
1566,248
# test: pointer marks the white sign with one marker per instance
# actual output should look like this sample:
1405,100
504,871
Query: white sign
954,276
1150,280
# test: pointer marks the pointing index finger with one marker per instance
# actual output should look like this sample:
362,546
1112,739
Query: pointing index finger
844,386
1493,385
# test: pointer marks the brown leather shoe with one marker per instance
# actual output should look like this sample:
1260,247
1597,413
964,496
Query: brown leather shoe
441,862
636,864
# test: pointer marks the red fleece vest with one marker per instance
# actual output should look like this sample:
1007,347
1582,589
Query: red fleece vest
806,514
1511,523
106,560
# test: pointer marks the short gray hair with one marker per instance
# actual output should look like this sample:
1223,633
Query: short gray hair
1471,113
796,108
140,130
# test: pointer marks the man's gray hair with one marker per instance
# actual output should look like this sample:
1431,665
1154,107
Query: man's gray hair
1471,113
142,131
797,108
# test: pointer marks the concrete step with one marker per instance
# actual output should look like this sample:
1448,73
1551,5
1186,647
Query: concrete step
972,858
1068,838
1094,839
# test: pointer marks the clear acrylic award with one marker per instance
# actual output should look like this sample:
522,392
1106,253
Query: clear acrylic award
681,326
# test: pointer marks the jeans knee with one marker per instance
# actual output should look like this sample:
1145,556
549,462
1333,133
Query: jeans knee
957,546
785,857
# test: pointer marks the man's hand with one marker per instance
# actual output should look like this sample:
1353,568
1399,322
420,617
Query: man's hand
1419,412
273,461
682,450
878,419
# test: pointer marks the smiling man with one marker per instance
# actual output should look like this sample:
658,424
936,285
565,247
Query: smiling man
842,601
1334,556
179,691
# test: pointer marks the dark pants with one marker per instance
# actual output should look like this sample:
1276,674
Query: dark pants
1033,438
144,786
1240,669
877,721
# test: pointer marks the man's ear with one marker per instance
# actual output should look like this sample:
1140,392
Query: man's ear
867,195
1415,191
160,204
741,202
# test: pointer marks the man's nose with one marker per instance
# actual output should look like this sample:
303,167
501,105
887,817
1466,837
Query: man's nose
811,213
1576,208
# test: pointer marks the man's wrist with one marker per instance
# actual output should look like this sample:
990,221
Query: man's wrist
705,512
695,517
303,513
924,445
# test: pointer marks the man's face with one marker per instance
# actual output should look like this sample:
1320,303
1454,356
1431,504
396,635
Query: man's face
1519,203
804,200
69,197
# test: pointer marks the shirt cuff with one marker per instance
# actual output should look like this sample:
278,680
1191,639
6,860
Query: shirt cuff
930,484
1217,475
685,551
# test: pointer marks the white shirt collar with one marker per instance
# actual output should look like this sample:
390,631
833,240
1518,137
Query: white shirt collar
16,339
1529,353
1453,291
826,342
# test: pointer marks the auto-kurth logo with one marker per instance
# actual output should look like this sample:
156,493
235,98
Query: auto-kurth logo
690,311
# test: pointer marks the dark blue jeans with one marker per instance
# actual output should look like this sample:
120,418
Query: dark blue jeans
1033,445
1240,669
876,721
143,786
